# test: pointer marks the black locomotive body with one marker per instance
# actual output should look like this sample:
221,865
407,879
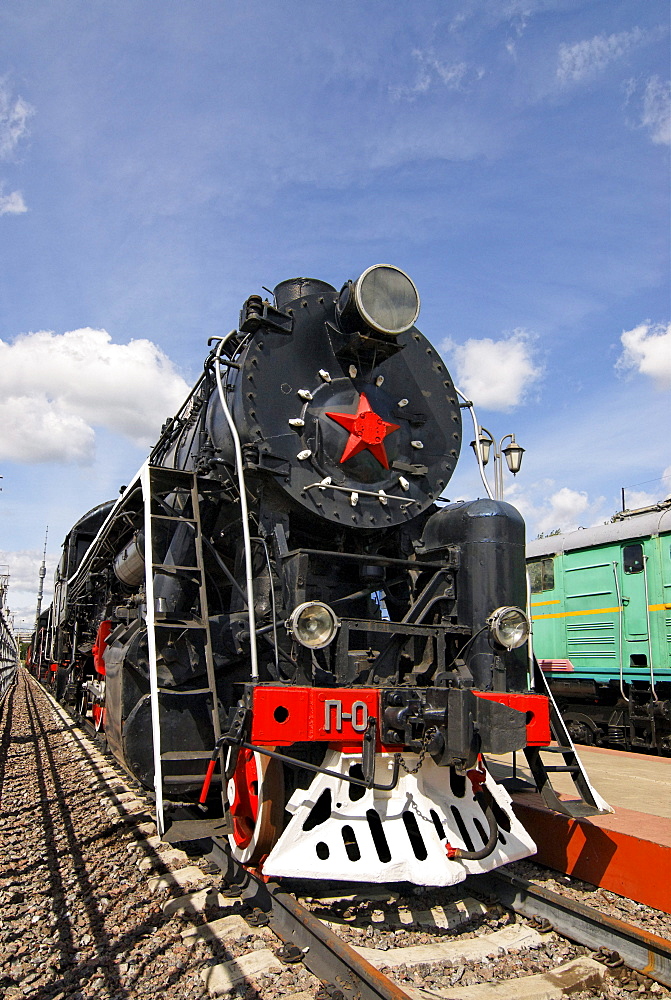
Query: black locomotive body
280,597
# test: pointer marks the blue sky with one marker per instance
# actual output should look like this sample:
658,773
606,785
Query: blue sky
160,161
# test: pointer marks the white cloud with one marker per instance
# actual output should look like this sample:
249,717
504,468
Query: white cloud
55,389
546,508
495,374
634,498
14,116
656,114
24,566
21,598
647,350
11,204
38,429
588,58
454,76
565,509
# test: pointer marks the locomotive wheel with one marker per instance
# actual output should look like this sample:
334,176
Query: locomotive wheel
256,805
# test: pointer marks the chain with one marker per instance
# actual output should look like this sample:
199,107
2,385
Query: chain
426,739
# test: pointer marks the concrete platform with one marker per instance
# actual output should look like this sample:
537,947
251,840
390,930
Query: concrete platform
628,851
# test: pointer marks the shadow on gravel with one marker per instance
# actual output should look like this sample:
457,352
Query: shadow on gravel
99,975
6,713
58,890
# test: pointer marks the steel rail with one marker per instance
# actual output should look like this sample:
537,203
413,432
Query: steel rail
638,948
336,963
326,955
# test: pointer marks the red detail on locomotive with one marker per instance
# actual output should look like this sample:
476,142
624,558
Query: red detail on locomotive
207,780
100,646
536,708
477,775
99,714
282,715
367,431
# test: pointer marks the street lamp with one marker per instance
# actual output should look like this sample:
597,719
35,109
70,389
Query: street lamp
513,454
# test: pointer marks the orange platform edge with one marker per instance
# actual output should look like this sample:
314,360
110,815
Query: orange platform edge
626,852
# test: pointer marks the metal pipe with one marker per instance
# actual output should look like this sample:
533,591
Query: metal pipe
621,607
476,433
647,618
485,802
244,515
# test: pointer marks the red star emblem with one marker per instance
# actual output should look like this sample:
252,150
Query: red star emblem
366,429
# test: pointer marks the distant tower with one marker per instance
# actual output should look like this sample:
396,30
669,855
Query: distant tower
40,589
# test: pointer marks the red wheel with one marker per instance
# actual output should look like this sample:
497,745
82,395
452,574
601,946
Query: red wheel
256,805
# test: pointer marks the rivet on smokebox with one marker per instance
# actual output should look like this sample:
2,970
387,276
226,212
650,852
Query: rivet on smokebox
417,444
302,455
324,375
305,394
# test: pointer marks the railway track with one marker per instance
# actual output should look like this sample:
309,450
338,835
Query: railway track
224,930
639,949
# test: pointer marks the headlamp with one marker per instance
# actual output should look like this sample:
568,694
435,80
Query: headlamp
508,627
384,297
313,624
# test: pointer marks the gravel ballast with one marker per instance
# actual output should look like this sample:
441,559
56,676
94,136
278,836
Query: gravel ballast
79,917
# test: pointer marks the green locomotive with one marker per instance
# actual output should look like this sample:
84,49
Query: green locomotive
601,606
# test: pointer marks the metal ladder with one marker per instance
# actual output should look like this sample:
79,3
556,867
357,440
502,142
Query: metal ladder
160,521
590,802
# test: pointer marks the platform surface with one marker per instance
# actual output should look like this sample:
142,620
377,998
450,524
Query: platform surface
627,851
628,780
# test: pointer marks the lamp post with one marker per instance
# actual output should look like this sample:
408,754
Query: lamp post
513,454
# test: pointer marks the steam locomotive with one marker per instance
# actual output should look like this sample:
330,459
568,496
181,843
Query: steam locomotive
280,613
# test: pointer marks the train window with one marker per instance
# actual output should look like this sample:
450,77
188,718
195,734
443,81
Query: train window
632,558
83,542
541,575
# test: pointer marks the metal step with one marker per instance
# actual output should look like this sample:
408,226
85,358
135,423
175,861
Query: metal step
186,755
163,567
590,802
181,692
175,517
176,623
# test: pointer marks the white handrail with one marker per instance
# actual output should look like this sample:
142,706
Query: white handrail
150,621
244,514
476,432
